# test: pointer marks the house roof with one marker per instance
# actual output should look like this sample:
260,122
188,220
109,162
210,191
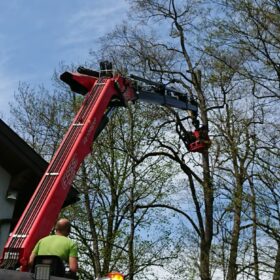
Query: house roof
23,163
16,154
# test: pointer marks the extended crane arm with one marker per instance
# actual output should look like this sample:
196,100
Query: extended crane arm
159,94
103,93
44,206
148,91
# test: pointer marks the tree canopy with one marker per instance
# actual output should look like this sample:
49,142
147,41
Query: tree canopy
149,207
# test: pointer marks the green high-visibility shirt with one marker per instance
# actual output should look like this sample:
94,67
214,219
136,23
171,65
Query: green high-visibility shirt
56,245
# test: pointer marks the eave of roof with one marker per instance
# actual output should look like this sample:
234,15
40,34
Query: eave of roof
16,155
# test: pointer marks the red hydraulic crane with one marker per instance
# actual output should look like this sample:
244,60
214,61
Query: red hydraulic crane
103,93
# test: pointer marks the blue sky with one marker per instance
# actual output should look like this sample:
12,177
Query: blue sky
36,35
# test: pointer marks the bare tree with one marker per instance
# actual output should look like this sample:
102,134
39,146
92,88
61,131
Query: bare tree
176,60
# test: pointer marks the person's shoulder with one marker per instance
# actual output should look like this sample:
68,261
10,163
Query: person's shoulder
46,238
71,241
63,238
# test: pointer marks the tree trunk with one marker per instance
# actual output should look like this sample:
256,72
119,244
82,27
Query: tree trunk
276,274
232,267
95,249
131,258
206,240
254,233
204,260
206,237
237,208
110,236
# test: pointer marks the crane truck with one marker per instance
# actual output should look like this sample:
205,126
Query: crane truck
103,92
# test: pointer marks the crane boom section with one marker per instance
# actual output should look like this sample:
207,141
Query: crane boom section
45,204
102,94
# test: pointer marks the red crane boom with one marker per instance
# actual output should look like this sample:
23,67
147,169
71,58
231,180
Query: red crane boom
102,95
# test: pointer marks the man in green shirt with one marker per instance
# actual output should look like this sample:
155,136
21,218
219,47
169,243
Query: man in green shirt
59,245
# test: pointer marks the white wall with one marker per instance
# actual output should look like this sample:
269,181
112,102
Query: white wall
6,207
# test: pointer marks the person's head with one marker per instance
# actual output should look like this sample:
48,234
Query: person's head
63,227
